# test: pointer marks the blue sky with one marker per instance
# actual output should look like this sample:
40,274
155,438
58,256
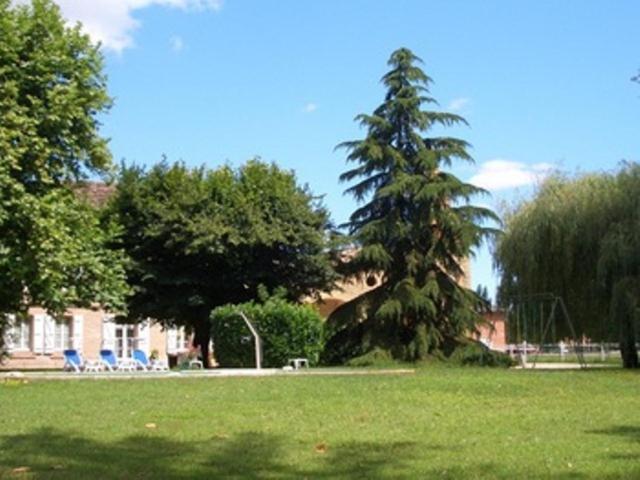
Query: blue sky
543,84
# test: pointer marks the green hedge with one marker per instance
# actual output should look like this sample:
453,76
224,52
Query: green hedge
477,354
287,331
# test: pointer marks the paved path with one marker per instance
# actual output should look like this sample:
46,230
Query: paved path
562,366
213,373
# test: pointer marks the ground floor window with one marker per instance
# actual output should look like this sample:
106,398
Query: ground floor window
40,333
20,334
178,340
126,338
62,334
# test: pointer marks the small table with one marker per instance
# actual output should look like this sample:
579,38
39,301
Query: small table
92,366
196,364
299,362
126,365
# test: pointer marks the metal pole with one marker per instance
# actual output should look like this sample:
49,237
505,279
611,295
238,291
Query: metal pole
583,363
256,338
546,328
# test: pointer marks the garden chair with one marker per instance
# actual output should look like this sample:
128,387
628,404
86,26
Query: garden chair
194,358
145,364
110,362
74,361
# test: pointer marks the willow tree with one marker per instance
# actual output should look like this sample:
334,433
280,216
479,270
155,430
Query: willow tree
579,238
619,261
413,230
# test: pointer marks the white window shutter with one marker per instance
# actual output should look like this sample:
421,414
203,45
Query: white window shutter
38,333
144,329
9,333
77,333
108,334
49,333
172,340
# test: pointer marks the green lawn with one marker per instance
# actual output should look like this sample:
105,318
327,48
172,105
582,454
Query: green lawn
439,423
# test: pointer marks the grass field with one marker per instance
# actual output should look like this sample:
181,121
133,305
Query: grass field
440,422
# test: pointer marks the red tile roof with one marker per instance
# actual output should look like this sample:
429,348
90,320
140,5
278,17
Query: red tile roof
96,193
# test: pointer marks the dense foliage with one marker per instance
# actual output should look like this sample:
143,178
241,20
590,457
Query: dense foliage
479,355
287,330
52,89
203,238
413,230
579,238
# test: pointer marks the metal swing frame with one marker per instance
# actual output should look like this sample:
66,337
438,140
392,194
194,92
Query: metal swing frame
556,302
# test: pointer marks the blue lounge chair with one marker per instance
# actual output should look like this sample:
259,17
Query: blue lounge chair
110,362
145,364
74,361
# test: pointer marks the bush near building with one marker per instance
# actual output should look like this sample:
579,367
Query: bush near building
287,330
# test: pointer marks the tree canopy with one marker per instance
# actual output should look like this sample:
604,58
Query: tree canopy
413,229
52,89
578,238
202,238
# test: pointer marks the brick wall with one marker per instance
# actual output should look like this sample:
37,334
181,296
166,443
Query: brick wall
494,333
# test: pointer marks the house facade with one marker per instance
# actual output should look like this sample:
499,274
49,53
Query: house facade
355,287
37,340
492,333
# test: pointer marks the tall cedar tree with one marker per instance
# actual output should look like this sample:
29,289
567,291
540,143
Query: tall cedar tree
199,239
413,231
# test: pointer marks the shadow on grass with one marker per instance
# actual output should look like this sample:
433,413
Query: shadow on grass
49,453
626,431
56,454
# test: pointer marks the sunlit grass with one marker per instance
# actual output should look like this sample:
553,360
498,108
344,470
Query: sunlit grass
439,423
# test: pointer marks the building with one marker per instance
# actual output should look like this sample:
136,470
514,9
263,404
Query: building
352,288
492,334
38,340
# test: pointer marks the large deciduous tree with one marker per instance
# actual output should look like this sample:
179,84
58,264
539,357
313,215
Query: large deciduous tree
52,89
579,238
413,230
202,238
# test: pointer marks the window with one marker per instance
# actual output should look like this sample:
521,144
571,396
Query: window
183,340
62,334
178,340
20,334
125,338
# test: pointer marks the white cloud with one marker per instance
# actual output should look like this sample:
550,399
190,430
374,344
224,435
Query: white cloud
310,107
500,174
112,22
176,43
458,104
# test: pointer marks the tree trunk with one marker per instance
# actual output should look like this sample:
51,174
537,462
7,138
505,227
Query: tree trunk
623,312
628,349
201,338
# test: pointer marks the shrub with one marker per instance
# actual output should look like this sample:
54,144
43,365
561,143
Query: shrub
374,358
478,354
287,330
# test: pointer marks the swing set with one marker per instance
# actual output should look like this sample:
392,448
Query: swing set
540,324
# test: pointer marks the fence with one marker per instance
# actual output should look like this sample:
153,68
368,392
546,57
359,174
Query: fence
565,351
